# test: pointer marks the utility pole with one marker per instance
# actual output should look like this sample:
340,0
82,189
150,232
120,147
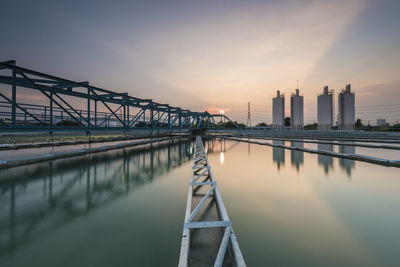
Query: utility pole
248,115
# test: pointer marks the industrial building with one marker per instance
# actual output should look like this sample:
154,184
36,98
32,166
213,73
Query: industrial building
325,110
346,116
381,122
278,111
297,111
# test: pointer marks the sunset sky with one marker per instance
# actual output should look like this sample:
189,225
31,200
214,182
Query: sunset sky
215,55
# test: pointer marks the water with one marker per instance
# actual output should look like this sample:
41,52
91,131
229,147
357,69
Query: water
383,153
291,208
122,208
20,153
126,208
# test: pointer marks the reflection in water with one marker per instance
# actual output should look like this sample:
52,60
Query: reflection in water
325,161
297,157
218,145
317,221
222,145
221,158
60,192
278,154
215,145
347,164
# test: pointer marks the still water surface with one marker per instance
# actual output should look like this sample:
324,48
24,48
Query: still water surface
126,208
291,208
122,208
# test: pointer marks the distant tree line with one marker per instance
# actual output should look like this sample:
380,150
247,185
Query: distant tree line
382,128
314,126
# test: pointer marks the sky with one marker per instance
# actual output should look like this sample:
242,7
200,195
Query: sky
215,55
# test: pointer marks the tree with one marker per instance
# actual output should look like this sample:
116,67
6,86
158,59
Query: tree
230,124
240,124
359,124
312,126
287,121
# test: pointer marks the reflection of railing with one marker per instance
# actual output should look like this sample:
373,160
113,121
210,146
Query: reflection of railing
60,195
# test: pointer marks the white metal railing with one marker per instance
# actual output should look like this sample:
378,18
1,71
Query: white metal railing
201,170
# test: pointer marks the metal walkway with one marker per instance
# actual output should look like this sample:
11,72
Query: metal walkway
202,176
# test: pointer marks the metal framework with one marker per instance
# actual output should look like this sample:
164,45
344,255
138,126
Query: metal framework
74,105
202,176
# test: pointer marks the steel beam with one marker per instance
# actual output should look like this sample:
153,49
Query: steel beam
88,108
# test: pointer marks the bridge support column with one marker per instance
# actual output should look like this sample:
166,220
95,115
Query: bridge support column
14,99
95,113
169,118
151,114
127,116
124,111
88,108
51,108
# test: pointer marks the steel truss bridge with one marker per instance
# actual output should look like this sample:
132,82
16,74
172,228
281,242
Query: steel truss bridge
79,105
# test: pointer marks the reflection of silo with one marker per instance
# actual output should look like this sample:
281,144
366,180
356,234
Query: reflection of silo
296,157
278,154
325,161
347,164
296,111
346,116
278,111
325,111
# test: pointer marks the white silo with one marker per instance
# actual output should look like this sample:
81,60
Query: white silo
325,110
278,111
346,116
297,111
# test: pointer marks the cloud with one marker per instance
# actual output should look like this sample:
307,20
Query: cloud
204,54
28,98
244,53
217,109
